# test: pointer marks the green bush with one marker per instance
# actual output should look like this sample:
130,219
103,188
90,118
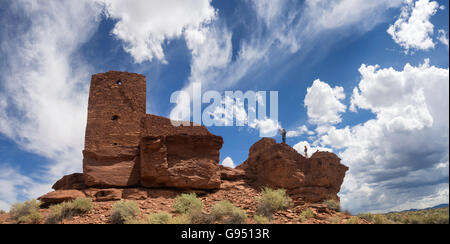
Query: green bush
67,210
261,220
186,203
26,212
306,214
354,220
225,211
198,218
181,220
81,205
333,205
124,211
159,218
272,201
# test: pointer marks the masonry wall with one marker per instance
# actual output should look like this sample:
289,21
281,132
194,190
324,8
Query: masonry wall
117,102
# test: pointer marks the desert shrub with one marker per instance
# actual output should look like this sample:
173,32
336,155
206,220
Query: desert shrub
26,212
81,205
124,211
2,212
272,201
130,220
181,220
366,216
306,214
159,218
334,220
261,220
186,203
354,220
198,218
67,210
228,213
381,220
375,218
333,205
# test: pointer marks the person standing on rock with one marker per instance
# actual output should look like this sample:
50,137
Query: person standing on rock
306,151
283,135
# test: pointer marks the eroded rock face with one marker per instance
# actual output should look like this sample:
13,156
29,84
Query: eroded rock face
277,165
70,182
60,196
181,161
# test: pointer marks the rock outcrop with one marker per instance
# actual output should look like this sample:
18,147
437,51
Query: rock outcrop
178,156
279,166
71,182
60,196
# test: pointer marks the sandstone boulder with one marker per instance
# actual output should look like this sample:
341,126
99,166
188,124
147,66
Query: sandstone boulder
103,195
181,161
230,174
277,165
60,196
70,182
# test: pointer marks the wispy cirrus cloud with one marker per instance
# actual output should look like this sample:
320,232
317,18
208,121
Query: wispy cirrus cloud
44,84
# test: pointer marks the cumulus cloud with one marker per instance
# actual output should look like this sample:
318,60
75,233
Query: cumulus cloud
145,25
413,29
228,162
301,130
324,103
398,160
300,148
267,127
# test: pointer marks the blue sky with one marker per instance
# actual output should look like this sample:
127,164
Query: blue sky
368,81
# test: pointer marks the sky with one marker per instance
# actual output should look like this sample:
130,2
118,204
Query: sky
367,80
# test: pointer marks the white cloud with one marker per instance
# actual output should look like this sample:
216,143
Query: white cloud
145,25
413,29
398,98
228,162
324,103
44,89
298,132
267,127
300,148
229,111
396,160
16,187
361,14
443,37
281,28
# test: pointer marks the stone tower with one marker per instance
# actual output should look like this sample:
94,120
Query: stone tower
117,102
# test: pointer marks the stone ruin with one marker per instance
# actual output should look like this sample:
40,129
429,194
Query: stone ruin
127,150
